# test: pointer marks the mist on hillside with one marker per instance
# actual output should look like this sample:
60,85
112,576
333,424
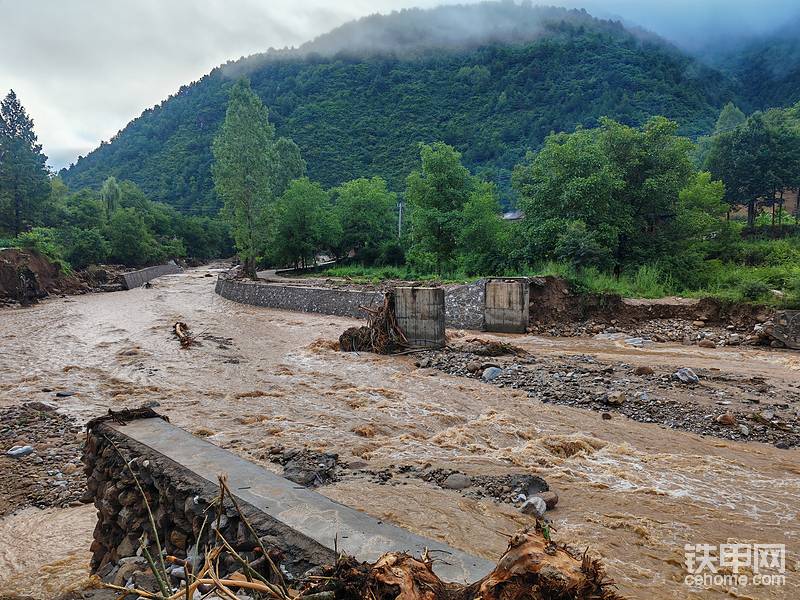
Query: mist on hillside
449,26
706,27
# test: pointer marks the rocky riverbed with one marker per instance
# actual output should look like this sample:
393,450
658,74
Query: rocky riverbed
684,331
41,461
699,400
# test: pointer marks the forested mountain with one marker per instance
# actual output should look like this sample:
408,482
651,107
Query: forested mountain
767,69
492,80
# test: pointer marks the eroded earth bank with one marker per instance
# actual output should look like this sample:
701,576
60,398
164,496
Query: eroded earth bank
631,491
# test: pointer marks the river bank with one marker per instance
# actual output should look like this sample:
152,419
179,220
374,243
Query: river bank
635,493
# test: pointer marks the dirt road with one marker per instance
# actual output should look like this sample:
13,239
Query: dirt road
635,493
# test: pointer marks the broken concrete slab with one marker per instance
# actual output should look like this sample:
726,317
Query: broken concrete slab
136,279
787,328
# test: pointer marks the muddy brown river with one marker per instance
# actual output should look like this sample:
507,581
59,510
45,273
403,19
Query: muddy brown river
632,493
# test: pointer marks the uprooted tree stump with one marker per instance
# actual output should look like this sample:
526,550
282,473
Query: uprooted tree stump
533,568
381,334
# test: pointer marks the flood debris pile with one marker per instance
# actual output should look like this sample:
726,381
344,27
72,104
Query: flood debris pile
381,334
39,458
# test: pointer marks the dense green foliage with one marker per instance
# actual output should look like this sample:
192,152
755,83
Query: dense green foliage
607,196
365,212
362,113
757,160
305,223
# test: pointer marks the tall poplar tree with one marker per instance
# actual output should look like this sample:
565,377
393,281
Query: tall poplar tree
250,169
24,178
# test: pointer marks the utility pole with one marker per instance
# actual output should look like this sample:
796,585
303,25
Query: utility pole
400,218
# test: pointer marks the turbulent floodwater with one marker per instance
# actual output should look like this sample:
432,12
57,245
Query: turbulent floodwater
631,492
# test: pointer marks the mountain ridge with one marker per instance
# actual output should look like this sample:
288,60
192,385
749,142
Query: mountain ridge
360,110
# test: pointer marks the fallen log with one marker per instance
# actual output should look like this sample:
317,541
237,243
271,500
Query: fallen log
181,331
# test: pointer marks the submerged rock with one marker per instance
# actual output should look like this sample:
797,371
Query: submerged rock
550,499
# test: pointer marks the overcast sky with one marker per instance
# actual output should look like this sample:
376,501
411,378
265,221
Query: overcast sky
84,68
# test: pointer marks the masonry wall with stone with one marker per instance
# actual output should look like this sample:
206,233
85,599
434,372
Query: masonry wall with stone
179,500
138,278
463,303
327,301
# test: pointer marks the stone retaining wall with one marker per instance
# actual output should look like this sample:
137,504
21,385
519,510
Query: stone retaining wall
179,500
178,473
463,303
327,301
138,278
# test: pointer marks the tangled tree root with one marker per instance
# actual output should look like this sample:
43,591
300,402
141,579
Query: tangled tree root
381,335
533,568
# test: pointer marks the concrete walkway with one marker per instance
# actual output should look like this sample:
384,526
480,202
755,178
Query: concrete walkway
303,510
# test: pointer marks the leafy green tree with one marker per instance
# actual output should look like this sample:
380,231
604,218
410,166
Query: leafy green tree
250,168
83,209
756,160
365,211
24,178
622,183
701,206
436,196
243,160
730,117
131,242
305,223
85,247
47,241
288,165
581,248
111,194
483,243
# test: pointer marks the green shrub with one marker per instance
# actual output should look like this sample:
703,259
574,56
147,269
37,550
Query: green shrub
85,247
45,240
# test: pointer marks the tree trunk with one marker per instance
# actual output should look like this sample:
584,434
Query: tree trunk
17,212
751,214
